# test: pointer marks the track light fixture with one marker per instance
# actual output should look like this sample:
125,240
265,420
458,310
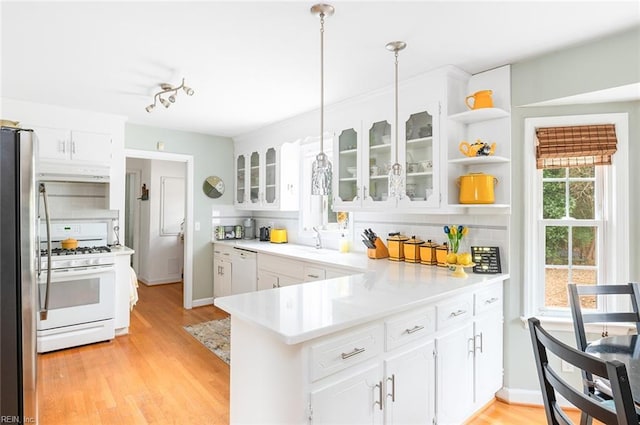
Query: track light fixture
167,88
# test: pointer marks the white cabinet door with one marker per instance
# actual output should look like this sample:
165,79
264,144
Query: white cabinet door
267,280
488,362
91,147
454,365
221,277
350,401
242,181
53,143
410,386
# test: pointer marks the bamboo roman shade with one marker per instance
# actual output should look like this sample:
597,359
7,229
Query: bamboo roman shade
575,146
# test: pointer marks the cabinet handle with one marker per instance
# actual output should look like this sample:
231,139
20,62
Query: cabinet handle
73,147
481,342
471,342
491,300
313,276
364,192
416,328
457,313
357,193
63,144
353,353
379,402
275,285
393,387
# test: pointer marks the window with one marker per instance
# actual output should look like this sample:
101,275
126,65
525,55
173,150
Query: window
575,220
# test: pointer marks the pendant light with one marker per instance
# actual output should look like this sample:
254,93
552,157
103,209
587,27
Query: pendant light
396,176
321,169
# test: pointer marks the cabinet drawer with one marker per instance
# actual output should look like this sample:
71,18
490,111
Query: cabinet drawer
222,250
488,299
281,265
334,354
409,327
312,273
454,311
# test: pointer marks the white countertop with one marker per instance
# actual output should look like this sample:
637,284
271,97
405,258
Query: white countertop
121,250
298,313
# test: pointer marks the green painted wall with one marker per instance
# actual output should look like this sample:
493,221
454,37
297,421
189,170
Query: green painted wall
598,65
212,156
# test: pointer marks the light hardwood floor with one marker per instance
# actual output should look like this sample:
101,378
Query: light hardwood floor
159,374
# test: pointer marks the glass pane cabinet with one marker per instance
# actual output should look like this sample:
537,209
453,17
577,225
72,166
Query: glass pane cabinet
348,166
240,179
381,158
419,158
270,176
254,188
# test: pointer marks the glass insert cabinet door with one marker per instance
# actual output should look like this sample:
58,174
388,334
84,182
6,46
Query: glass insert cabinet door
240,178
348,166
254,178
380,159
270,176
419,157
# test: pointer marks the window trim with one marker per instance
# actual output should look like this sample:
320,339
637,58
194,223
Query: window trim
616,206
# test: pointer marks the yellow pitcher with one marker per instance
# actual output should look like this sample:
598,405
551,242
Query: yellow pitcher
481,99
478,148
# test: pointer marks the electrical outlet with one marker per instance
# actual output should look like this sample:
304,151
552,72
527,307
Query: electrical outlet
566,366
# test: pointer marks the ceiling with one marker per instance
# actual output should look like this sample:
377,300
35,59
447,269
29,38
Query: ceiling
255,63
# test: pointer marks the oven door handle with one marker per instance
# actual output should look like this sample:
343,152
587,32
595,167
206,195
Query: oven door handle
45,310
80,272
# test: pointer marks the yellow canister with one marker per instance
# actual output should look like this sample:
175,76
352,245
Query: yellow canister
441,254
412,250
477,188
395,244
428,253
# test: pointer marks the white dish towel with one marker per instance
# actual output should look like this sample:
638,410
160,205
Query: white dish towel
133,289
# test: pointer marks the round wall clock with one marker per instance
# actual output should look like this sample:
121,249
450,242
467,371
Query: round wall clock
213,187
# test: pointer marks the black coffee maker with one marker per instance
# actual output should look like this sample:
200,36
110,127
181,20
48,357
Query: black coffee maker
264,233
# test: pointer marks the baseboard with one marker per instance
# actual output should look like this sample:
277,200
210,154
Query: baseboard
202,302
526,397
159,281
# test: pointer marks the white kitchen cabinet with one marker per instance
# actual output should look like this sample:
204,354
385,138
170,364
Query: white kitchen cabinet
364,152
71,145
275,271
267,179
222,270
410,386
455,375
123,291
350,400
488,345
396,386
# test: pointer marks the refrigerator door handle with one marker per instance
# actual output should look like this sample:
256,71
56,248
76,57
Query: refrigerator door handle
45,311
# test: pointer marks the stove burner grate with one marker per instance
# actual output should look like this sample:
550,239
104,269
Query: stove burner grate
78,251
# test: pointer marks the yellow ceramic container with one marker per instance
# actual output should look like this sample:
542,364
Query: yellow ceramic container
395,244
412,250
428,253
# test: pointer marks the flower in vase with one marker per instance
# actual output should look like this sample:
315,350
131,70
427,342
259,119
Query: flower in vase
455,235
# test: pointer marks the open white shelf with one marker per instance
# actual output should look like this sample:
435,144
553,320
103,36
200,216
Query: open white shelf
479,160
478,115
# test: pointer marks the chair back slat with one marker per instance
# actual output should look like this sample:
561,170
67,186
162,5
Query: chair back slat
552,382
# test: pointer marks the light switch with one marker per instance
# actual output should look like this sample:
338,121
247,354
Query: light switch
160,146
196,225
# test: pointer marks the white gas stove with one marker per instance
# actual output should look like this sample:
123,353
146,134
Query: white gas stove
77,291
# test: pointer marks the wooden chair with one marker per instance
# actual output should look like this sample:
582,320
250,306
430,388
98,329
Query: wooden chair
619,411
581,317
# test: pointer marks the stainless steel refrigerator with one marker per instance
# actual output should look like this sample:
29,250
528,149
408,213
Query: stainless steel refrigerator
17,278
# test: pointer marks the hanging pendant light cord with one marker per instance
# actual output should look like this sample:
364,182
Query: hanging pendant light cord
396,105
321,82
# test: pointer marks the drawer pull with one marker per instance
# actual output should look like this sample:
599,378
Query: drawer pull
416,328
313,276
353,353
379,401
491,300
457,313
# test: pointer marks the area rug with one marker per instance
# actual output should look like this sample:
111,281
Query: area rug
214,335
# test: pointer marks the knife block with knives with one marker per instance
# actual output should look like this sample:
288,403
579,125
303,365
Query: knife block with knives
376,248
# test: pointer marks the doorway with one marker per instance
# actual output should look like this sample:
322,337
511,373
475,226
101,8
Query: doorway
133,190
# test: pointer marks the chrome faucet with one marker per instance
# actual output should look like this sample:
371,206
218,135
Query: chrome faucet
318,240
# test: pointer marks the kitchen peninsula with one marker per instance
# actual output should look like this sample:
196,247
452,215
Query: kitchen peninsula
403,342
